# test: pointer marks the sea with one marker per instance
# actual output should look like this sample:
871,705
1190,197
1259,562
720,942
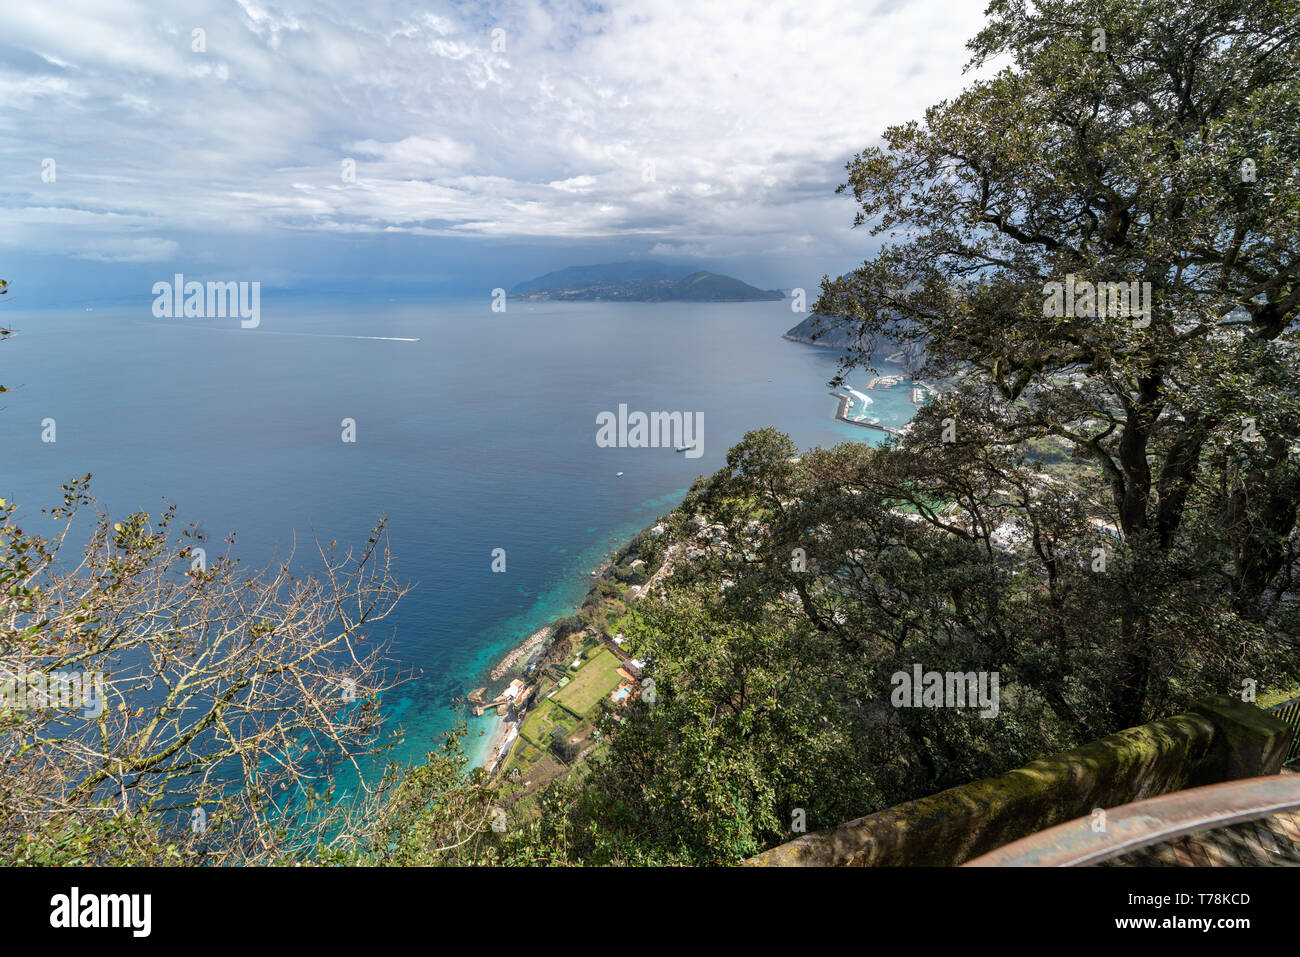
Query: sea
473,430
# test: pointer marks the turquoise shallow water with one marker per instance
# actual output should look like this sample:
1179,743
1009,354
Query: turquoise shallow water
480,435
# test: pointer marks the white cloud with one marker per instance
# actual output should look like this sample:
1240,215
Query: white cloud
742,112
143,250
438,154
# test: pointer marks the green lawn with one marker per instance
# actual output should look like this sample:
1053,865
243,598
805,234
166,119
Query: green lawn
537,726
596,678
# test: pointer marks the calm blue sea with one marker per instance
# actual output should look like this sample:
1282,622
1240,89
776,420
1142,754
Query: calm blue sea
479,436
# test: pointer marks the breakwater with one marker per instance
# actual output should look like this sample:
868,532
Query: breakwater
842,414
535,640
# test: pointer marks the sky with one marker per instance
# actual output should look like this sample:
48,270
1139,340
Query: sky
446,148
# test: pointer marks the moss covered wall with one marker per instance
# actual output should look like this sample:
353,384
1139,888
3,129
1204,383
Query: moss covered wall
1220,739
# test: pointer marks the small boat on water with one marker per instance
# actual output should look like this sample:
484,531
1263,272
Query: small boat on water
617,474
684,448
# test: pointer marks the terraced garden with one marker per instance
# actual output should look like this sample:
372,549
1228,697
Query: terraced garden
597,677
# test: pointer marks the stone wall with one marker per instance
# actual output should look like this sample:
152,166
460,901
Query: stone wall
1219,739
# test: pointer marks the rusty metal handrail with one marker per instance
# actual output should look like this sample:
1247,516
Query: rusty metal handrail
1288,712
1152,821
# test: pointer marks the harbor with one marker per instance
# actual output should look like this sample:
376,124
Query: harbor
842,414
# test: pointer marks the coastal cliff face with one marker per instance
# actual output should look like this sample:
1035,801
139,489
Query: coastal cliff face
829,331
836,332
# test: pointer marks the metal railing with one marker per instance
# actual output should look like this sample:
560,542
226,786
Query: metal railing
1288,712
1132,827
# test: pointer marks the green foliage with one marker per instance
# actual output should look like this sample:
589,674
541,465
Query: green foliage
95,837
1118,158
437,813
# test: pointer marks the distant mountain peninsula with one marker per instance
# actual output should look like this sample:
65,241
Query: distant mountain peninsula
639,282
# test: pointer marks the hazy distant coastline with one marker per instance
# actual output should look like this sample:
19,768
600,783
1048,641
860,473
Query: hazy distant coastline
639,282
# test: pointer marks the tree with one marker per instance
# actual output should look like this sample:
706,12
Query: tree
144,680
1153,143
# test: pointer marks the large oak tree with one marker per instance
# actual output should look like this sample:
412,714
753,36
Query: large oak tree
1152,142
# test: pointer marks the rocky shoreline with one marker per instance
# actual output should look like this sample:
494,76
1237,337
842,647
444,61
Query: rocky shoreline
523,651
